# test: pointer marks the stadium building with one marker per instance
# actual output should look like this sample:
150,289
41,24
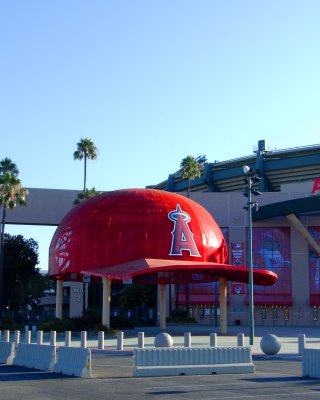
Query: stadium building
285,233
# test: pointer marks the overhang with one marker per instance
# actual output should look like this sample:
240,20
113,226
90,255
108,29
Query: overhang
305,205
173,271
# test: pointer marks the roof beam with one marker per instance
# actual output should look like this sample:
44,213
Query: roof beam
297,224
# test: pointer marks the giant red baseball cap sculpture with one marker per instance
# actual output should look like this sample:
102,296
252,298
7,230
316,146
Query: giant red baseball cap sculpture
148,235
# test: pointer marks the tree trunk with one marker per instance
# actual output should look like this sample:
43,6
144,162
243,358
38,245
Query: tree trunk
85,175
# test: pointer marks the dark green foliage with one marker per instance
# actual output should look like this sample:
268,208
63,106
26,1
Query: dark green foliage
87,194
180,316
59,325
23,282
137,295
121,322
9,323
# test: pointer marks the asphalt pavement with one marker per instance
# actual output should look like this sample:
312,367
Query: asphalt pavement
276,377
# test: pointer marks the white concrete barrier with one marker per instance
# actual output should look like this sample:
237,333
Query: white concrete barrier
192,361
7,352
75,361
311,363
36,356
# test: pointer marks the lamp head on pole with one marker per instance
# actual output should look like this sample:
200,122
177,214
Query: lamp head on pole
246,169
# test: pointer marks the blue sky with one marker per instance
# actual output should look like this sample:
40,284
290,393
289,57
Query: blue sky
150,82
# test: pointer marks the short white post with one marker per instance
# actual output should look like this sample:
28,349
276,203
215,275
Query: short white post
120,341
240,339
101,340
141,340
16,338
6,336
27,337
301,343
83,339
213,340
40,337
53,338
67,338
187,339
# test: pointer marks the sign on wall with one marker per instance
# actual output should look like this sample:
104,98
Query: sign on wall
237,254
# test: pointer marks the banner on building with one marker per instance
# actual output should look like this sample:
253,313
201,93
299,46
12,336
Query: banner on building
237,288
237,254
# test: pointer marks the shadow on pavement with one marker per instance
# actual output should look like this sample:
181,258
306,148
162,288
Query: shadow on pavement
9,373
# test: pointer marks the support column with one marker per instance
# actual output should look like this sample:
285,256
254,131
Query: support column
59,299
223,305
106,299
163,308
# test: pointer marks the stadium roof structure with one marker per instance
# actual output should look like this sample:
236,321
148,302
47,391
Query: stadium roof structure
275,167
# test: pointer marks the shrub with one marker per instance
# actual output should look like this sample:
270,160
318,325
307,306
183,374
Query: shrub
8,323
180,316
59,325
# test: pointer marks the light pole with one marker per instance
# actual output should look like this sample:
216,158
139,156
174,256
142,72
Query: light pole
251,178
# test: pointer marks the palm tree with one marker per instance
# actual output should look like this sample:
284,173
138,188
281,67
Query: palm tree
86,195
6,165
11,195
190,169
86,150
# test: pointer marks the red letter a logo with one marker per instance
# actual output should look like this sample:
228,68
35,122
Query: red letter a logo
182,237
316,186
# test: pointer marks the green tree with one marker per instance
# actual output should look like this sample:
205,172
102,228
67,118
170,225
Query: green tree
190,169
12,194
6,165
86,195
24,282
138,298
86,150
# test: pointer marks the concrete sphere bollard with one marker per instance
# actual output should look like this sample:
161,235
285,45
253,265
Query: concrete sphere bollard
270,344
163,340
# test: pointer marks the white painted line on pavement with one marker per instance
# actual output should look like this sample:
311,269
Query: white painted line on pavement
256,396
196,386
